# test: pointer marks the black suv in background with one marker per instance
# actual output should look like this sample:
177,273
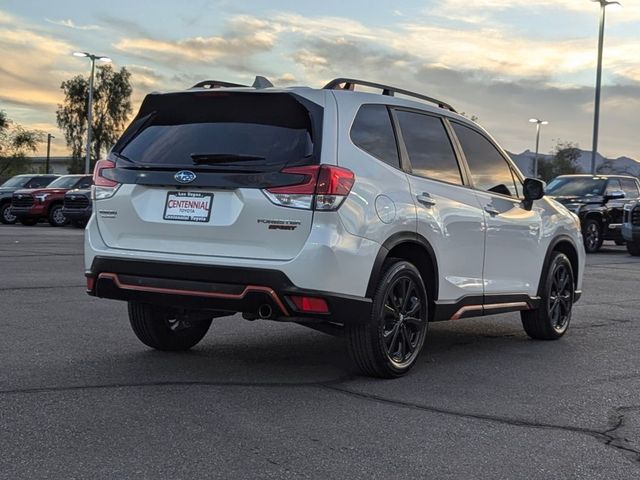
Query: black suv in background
77,207
18,183
599,202
631,227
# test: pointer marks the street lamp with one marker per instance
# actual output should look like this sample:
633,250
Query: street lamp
538,123
596,115
93,58
46,164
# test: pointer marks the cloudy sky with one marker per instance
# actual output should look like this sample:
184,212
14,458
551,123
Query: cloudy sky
502,60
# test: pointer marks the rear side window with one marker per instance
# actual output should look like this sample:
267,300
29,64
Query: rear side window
372,132
39,182
428,146
629,187
244,131
489,169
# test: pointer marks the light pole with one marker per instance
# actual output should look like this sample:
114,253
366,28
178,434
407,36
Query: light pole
46,164
538,123
596,115
93,58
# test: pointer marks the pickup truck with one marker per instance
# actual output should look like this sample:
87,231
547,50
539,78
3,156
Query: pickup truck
77,207
17,183
631,227
31,205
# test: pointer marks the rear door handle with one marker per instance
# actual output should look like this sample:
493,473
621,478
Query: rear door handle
491,210
425,199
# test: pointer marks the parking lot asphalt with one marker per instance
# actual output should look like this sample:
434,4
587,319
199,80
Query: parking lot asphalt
81,398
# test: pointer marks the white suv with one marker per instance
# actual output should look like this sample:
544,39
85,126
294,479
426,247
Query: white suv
361,214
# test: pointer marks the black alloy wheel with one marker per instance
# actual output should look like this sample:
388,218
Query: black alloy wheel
6,216
403,326
388,345
592,233
550,320
560,299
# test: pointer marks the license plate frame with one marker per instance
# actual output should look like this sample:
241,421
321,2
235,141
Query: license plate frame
188,213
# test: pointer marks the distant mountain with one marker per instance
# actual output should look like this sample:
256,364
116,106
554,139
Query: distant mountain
622,165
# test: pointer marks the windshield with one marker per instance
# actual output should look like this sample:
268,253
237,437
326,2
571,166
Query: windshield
17,181
576,187
64,182
218,130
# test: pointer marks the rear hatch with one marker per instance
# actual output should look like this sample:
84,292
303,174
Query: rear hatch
192,166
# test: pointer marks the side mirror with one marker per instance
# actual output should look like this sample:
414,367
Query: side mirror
533,189
614,195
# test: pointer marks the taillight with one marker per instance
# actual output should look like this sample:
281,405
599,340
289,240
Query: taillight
322,187
102,186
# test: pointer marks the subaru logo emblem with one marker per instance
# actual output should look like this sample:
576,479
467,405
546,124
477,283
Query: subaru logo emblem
185,176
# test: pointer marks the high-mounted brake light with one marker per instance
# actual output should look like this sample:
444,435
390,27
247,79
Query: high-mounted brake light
102,186
321,187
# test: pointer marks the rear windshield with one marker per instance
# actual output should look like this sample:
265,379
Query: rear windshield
223,129
576,187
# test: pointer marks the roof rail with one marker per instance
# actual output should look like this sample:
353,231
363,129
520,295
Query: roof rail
350,83
216,84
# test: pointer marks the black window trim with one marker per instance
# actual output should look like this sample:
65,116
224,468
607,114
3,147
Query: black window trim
404,154
515,172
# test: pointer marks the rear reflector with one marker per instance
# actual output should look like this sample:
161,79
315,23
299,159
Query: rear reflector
310,304
90,283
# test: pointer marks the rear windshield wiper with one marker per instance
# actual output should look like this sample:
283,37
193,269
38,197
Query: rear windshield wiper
120,156
202,158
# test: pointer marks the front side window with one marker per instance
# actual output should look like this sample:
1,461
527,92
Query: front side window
428,146
489,169
372,132
39,182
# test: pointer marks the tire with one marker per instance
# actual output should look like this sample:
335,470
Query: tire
388,345
159,329
633,248
28,222
592,233
78,223
551,319
56,217
5,214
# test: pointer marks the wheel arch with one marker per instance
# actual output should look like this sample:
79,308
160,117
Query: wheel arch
563,244
414,248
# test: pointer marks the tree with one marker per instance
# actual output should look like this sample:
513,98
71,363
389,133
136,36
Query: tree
111,109
15,142
565,156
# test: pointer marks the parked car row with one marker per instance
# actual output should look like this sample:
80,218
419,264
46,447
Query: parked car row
600,201
608,205
59,200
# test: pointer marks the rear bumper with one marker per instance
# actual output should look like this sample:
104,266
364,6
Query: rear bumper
216,289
